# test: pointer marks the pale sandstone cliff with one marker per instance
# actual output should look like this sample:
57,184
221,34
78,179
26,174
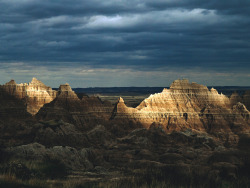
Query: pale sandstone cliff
34,94
62,104
187,105
184,105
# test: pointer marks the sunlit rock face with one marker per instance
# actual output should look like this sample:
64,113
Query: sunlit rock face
35,94
185,105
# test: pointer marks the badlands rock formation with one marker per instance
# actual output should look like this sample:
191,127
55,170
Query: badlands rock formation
97,142
67,106
187,105
35,94
62,104
184,105
245,99
11,108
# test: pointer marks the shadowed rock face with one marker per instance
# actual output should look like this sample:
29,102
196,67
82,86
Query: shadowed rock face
82,112
187,105
66,95
184,105
62,104
35,94
245,99
145,153
185,133
11,108
66,102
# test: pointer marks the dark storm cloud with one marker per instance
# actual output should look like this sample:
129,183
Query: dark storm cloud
145,35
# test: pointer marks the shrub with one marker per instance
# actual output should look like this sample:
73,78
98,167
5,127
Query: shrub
52,168
19,170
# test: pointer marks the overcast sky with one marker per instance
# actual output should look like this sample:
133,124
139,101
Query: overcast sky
105,43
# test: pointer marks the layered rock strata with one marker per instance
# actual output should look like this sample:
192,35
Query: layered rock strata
62,104
70,108
245,99
35,94
187,105
11,108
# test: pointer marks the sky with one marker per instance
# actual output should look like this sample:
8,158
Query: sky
112,43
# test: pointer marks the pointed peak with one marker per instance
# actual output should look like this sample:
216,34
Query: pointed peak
34,79
184,80
120,100
179,83
213,91
235,93
165,90
240,106
65,87
184,84
11,82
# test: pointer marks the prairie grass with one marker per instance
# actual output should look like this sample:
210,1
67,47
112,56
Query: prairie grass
52,173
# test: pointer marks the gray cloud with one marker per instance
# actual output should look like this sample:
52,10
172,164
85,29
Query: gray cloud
134,35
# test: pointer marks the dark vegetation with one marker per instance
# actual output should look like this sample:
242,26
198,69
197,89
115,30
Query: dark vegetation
162,162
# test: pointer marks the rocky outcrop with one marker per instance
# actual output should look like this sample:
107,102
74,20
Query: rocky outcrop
235,98
69,156
59,133
65,103
185,105
241,110
181,136
34,94
65,93
84,112
38,94
62,104
184,157
244,99
11,108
